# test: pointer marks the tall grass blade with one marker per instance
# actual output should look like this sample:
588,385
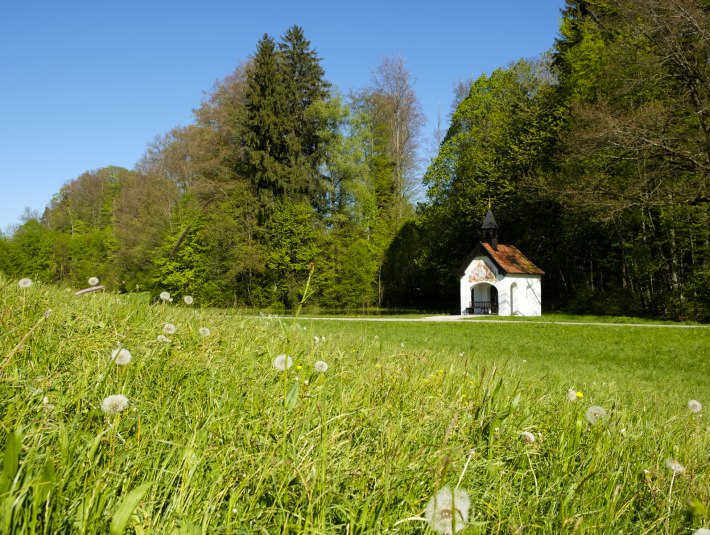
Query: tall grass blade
12,460
125,510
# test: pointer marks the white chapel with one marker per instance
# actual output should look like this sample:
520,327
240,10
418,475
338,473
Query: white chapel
499,279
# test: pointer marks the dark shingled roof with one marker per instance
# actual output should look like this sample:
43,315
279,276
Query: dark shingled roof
490,221
507,257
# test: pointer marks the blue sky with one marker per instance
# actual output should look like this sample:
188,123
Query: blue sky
86,84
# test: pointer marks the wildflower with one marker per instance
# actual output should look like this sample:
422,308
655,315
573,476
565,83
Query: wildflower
321,366
282,362
204,331
169,328
695,406
188,299
527,437
447,509
580,395
594,414
674,466
93,281
572,394
165,296
163,338
25,283
121,356
114,404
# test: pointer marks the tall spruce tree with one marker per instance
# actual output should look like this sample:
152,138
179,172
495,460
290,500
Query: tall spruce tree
283,136
305,86
266,130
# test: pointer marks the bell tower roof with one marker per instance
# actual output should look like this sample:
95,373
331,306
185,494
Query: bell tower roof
490,230
489,222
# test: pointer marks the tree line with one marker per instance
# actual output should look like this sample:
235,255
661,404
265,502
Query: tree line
594,158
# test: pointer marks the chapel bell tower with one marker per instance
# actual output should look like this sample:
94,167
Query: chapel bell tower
490,230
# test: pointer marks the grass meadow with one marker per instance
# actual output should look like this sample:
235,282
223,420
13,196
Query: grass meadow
414,427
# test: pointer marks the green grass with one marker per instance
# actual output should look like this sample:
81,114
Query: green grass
576,318
215,440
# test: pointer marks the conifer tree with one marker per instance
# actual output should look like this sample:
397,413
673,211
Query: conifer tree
283,135
305,85
266,131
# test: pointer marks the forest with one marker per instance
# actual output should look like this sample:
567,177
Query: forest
594,157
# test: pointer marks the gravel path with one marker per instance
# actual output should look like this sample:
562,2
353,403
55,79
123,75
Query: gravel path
469,319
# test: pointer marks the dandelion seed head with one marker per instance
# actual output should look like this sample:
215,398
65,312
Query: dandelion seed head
282,362
527,437
321,366
45,400
188,299
594,414
572,394
165,296
204,331
169,328
93,281
163,338
114,404
445,508
674,466
702,531
695,406
121,356
24,283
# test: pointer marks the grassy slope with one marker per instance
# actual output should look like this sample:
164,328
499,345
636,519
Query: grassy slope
398,414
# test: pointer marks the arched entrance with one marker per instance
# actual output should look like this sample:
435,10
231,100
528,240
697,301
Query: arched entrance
484,299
